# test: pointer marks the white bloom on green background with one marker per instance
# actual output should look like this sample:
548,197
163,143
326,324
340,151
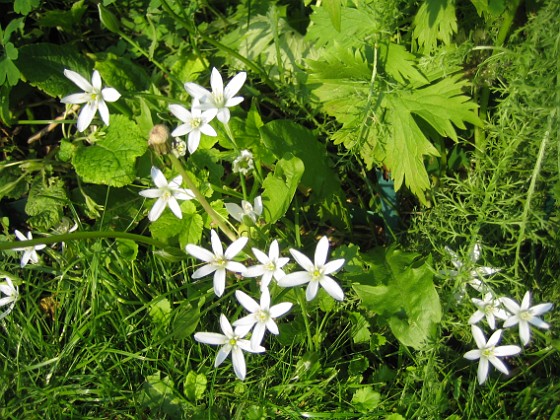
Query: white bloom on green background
261,317
220,99
93,96
29,252
167,194
475,274
316,273
231,342
525,315
270,265
9,294
488,352
489,307
243,163
218,261
195,123
251,211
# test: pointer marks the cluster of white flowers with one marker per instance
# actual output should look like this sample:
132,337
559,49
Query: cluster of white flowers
492,307
206,106
261,315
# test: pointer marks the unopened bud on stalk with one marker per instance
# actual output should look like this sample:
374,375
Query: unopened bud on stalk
158,139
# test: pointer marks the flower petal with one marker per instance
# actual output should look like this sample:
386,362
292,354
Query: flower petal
216,244
494,338
222,355
217,83
506,350
332,288
302,260
478,337
223,115
204,271
199,252
524,332
238,362
76,98
235,85
157,210
311,291
333,266
472,355
174,207
280,309
210,338
246,301
86,116
498,364
235,247
295,279
258,335
196,91
180,112
78,80
541,308
482,370
321,252
219,281
110,94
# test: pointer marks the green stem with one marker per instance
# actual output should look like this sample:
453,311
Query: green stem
303,305
201,199
81,235
231,137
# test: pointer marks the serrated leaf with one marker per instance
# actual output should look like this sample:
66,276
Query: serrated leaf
46,203
8,72
407,297
65,19
121,73
333,9
24,7
160,310
43,64
279,188
435,21
111,160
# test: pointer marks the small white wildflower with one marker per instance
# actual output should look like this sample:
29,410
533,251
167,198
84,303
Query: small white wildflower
232,341
29,252
195,123
315,273
475,274
488,352
246,210
490,308
270,265
94,97
243,163
11,294
525,315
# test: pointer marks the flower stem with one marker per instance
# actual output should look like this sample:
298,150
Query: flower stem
201,199
230,135
302,304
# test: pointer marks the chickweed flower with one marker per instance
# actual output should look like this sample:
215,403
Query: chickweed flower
315,272
232,341
10,293
490,308
243,163
167,194
475,273
261,316
30,252
195,123
246,210
525,315
488,352
219,99
270,265
93,95
219,261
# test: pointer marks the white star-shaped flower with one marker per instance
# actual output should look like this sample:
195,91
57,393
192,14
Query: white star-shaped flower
525,315
167,194
195,123
243,163
261,317
219,261
488,352
270,265
231,342
11,294
475,273
93,95
29,252
315,273
219,99
246,210
490,308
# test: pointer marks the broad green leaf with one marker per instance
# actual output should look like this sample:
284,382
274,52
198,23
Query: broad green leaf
195,386
169,229
127,249
405,295
279,188
158,394
24,7
280,136
160,310
333,9
42,65
121,73
435,21
68,20
111,160
360,328
366,399
46,203
185,320
8,71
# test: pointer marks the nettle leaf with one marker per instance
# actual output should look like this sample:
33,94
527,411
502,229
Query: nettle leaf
169,229
404,293
43,64
45,203
279,188
111,160
435,21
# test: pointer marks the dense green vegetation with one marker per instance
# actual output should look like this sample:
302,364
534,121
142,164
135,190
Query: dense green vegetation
372,185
